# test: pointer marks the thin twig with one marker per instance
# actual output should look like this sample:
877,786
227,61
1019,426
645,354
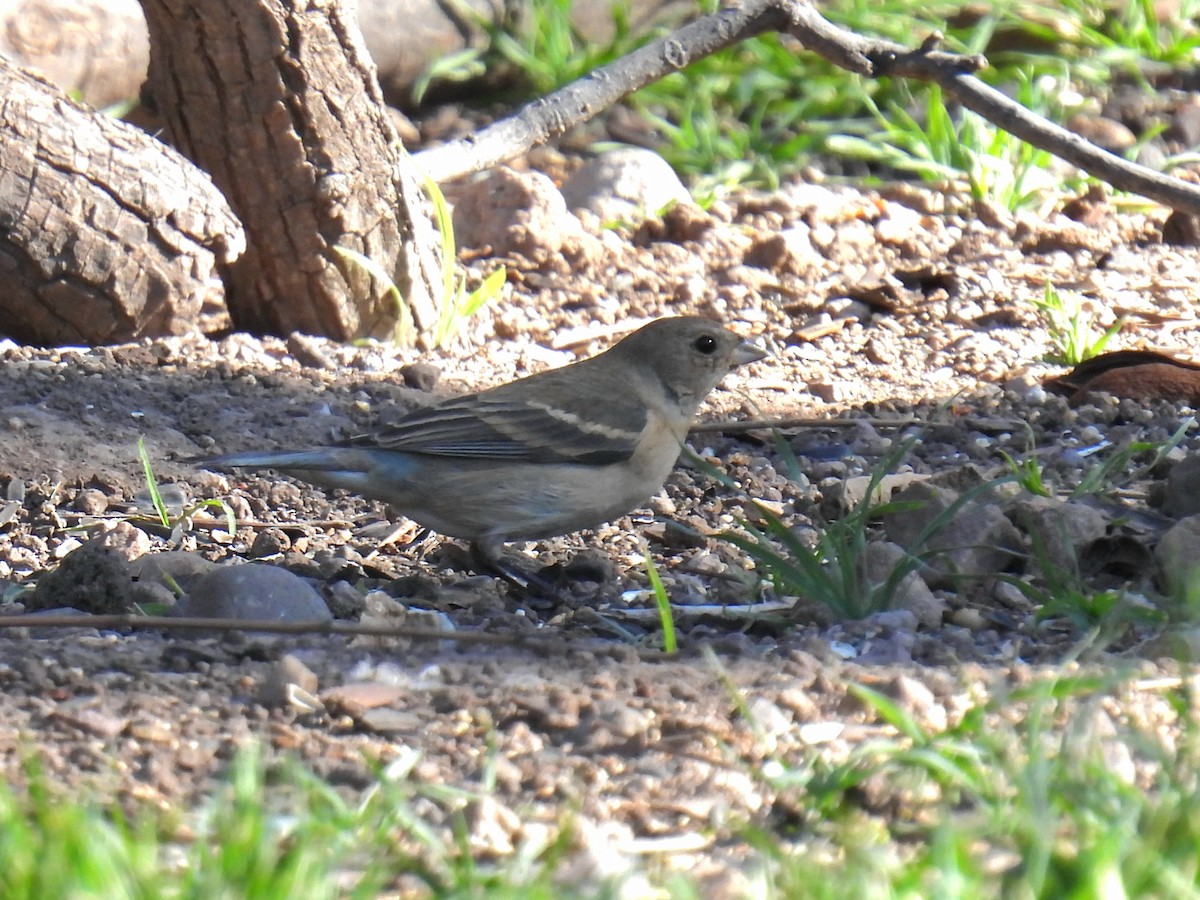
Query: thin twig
71,515
739,612
740,426
184,623
557,113
877,58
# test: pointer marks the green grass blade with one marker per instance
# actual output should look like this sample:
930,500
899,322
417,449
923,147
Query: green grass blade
152,484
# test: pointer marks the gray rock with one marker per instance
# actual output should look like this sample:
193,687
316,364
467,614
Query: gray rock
976,542
912,594
1059,530
514,212
1178,557
1183,489
626,185
253,591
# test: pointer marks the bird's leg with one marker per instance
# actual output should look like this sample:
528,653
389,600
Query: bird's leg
487,559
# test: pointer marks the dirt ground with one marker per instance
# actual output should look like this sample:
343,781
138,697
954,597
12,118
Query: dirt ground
896,314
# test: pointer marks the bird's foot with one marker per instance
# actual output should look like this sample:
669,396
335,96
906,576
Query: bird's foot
533,585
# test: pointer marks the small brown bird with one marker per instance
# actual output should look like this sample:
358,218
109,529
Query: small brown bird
545,455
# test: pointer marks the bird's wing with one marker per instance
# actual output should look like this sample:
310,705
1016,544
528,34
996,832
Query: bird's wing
499,427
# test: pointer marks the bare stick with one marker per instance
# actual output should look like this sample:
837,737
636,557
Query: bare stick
578,102
877,58
739,426
182,623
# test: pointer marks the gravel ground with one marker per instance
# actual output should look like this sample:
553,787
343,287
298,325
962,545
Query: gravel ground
893,315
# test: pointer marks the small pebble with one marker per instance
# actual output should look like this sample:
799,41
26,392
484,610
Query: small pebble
91,502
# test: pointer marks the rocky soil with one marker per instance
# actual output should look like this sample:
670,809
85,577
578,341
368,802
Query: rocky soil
903,328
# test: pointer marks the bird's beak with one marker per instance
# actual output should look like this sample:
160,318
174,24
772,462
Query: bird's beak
747,352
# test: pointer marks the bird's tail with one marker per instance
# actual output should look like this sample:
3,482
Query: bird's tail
285,460
336,467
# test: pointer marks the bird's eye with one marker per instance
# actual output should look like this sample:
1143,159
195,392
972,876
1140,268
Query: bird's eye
706,344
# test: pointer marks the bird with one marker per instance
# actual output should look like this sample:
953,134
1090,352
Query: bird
548,454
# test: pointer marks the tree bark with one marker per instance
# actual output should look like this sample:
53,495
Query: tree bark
106,235
279,101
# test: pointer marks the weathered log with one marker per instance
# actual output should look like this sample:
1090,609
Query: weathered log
106,234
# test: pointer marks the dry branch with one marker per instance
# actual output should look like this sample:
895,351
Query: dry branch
877,58
557,113
122,622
